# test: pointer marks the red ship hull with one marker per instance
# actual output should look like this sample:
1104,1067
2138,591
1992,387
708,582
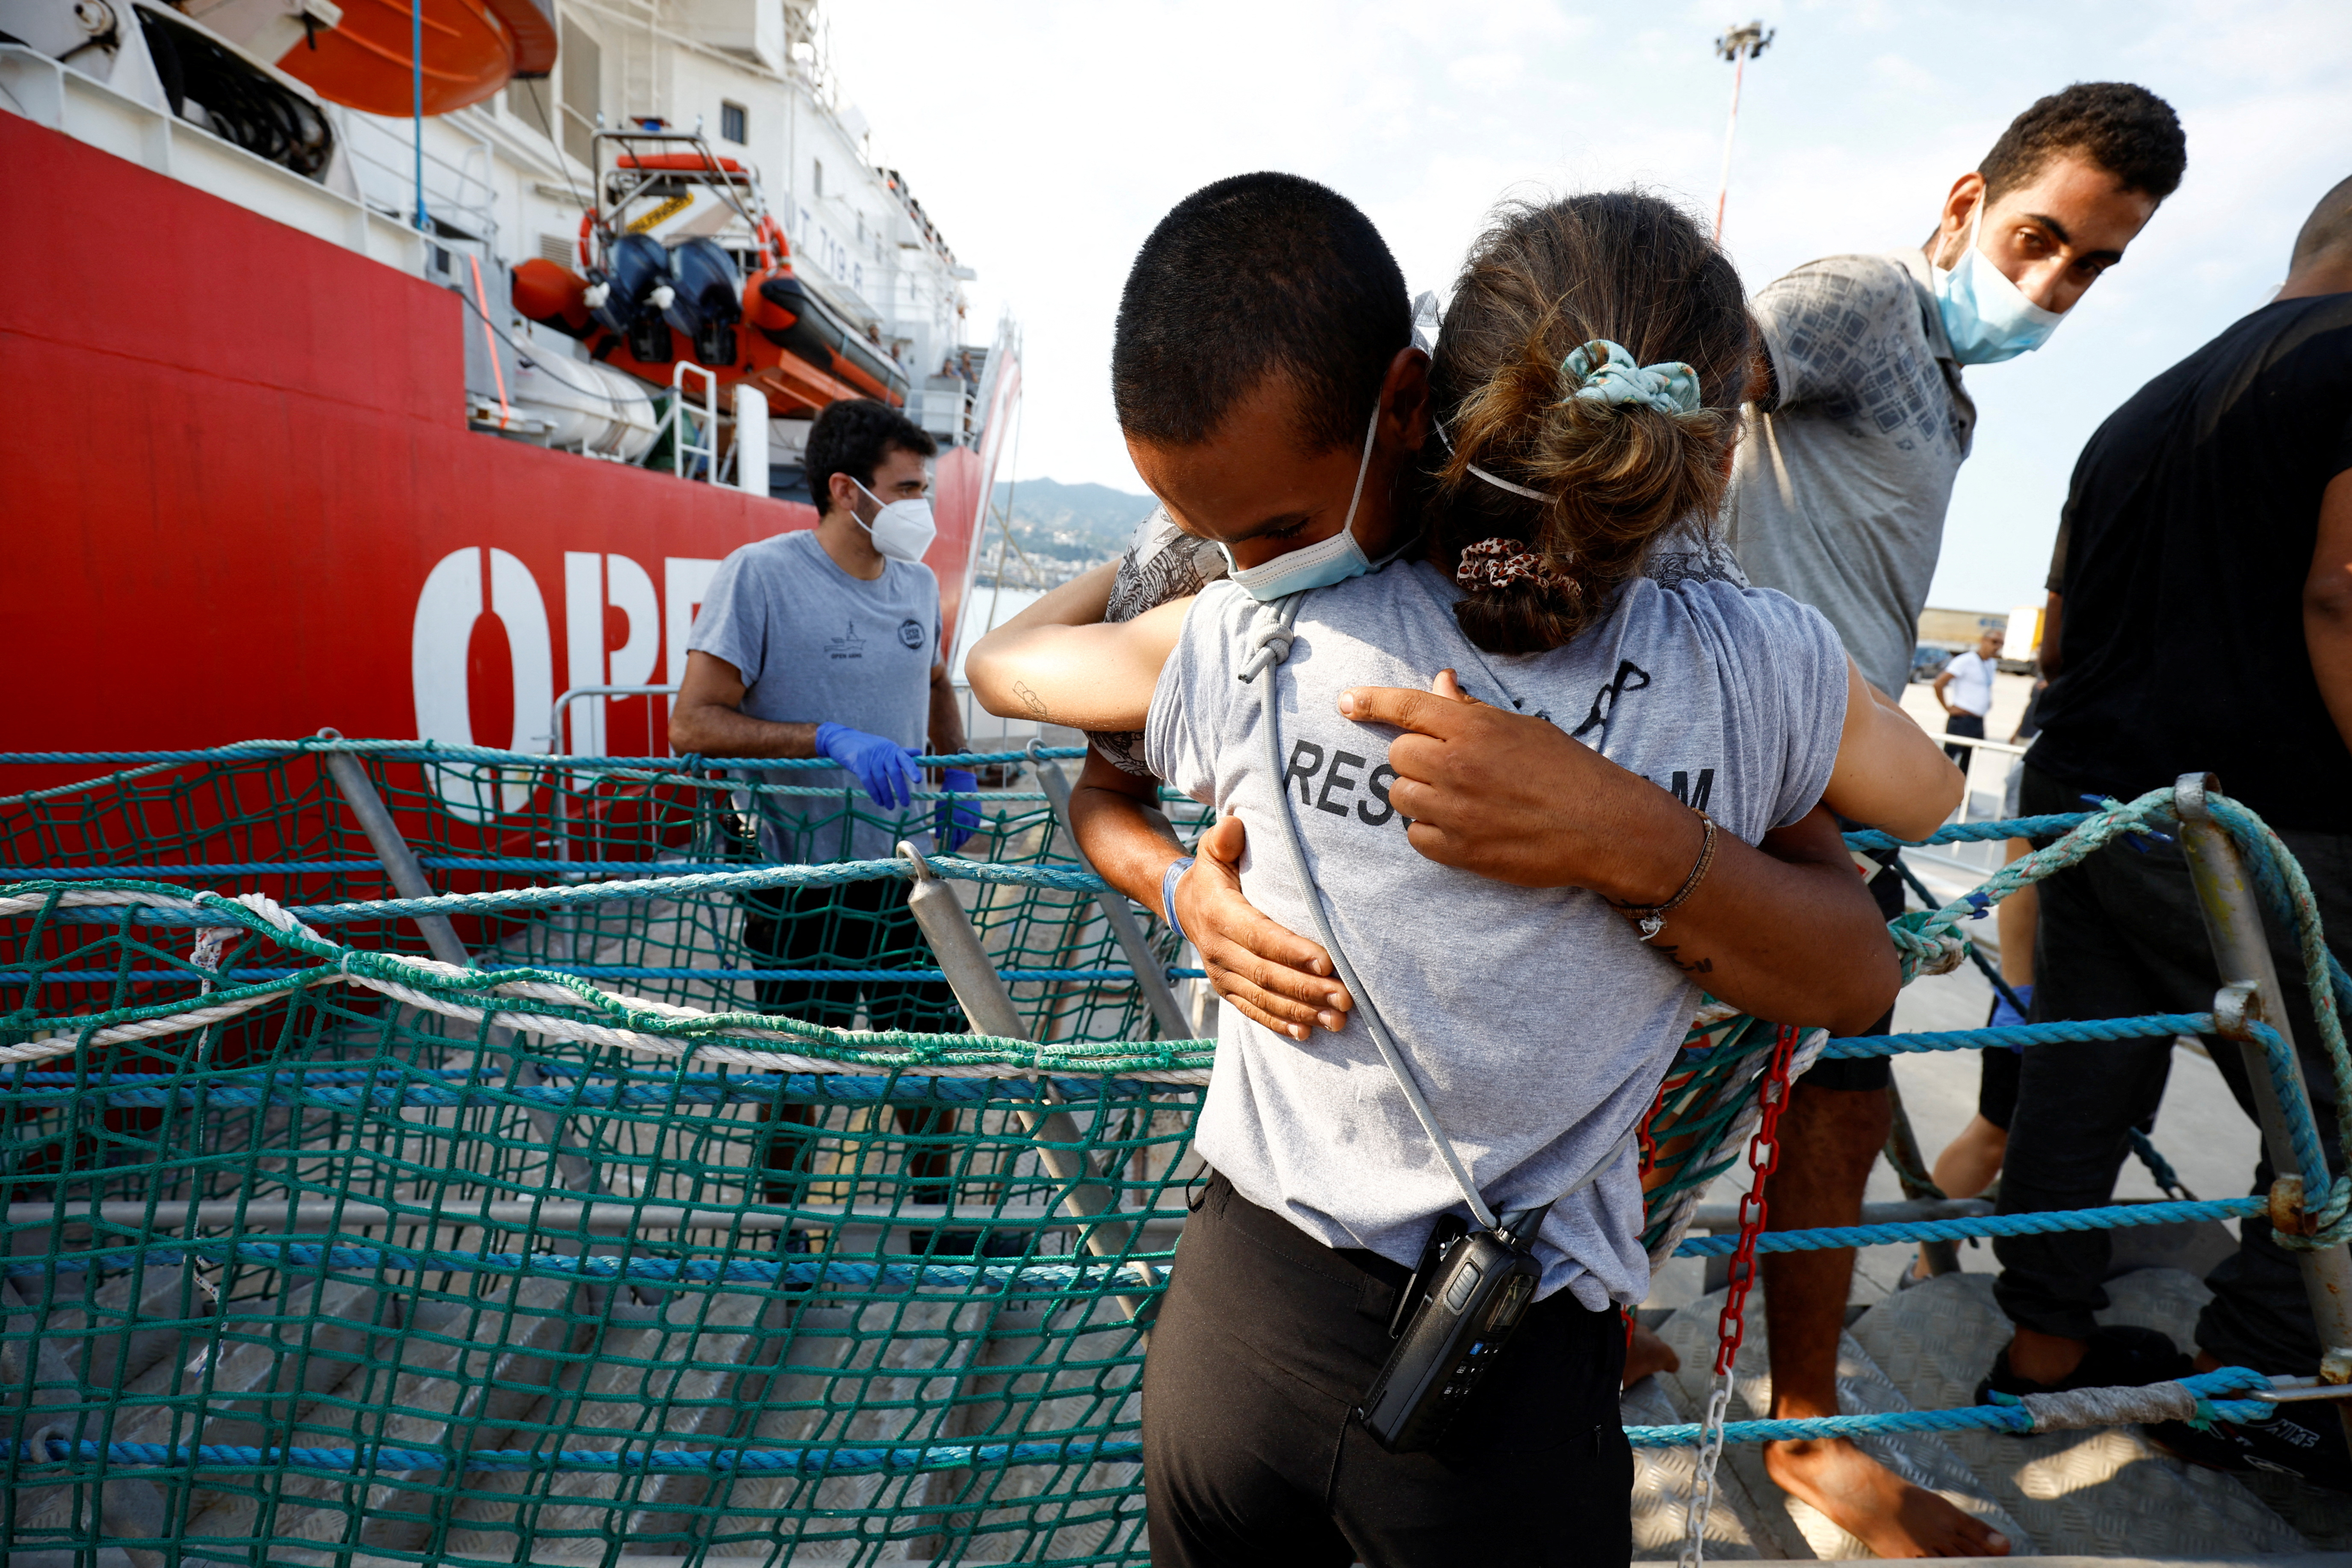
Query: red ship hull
242,501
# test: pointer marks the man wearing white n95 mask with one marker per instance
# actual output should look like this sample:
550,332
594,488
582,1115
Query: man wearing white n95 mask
1843,474
825,643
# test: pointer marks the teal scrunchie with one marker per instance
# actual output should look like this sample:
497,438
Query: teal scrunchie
1605,372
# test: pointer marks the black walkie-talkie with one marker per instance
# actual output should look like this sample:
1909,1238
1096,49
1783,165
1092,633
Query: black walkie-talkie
1453,1319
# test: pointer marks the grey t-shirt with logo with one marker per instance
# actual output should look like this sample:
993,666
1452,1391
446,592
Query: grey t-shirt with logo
1842,477
1537,1021
814,644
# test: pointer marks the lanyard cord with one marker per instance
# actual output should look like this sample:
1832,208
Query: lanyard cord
1272,639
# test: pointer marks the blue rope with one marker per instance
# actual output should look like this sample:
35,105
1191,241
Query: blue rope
1090,1275
809,1461
2041,1223
850,1275
2159,1169
333,1089
1967,1418
599,971
212,869
1966,832
746,880
828,1460
2010,1035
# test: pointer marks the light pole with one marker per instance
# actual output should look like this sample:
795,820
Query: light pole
1738,45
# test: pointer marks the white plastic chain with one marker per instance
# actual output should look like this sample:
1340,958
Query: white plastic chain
1710,1455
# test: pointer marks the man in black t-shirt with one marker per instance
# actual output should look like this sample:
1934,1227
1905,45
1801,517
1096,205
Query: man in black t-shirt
2219,497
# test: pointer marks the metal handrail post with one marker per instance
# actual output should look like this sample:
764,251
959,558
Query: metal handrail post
2251,991
400,863
1149,973
989,1006
407,877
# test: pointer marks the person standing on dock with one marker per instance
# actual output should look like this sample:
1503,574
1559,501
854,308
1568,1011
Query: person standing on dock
2221,494
825,643
1965,688
1842,480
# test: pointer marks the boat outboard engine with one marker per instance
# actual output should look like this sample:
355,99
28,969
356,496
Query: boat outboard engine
628,294
708,300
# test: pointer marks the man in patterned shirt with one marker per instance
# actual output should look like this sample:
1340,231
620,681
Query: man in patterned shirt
1841,479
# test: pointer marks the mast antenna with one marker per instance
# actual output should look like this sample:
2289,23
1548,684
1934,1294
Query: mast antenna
1738,45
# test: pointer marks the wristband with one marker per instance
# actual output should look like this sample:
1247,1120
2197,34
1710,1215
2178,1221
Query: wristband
1648,921
1167,881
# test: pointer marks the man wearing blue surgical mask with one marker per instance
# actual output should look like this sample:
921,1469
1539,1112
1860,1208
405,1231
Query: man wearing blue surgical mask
1842,480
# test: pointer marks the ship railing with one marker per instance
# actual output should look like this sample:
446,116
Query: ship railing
466,200
693,431
554,736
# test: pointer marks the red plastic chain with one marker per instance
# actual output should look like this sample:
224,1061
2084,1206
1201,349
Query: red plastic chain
1649,1145
1763,1155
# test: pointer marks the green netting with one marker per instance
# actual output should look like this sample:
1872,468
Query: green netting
244,822
343,1280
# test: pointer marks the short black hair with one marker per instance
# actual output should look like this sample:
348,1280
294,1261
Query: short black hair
852,437
2126,129
1254,275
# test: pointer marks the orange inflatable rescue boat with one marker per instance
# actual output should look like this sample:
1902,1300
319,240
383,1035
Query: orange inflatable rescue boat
680,262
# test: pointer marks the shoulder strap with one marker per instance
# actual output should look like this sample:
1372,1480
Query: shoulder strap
1269,639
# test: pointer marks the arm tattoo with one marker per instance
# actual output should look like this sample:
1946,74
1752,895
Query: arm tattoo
1699,966
1032,701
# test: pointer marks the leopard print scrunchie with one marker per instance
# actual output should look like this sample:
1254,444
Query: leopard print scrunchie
1493,564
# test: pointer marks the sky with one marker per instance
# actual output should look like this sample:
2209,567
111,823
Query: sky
1047,139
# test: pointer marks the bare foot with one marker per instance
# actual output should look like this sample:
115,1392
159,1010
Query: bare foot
1891,1516
1646,1353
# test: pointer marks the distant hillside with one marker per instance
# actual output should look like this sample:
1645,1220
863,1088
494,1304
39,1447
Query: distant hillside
1079,525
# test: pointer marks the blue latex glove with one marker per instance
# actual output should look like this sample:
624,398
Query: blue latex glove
957,820
2005,1016
884,768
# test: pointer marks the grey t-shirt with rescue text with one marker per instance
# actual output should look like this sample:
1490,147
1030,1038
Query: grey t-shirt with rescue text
815,645
1842,477
1537,1023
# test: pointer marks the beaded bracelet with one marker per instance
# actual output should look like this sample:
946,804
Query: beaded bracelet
1651,919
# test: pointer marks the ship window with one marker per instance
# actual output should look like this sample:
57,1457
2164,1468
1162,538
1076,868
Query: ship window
731,122
816,175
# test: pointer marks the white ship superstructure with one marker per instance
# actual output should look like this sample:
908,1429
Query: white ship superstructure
513,175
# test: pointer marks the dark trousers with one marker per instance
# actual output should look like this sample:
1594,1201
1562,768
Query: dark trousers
1251,1454
1969,724
859,926
864,927
2120,934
